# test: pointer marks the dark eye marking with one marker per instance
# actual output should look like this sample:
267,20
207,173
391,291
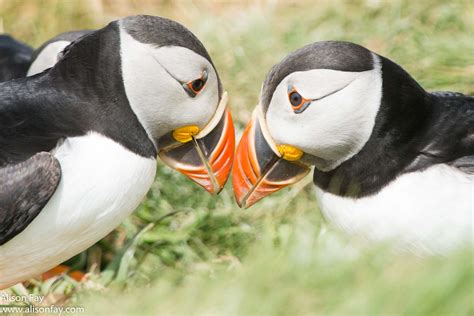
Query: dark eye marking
299,103
193,87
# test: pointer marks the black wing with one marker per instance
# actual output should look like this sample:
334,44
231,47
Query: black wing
451,132
25,188
448,94
15,58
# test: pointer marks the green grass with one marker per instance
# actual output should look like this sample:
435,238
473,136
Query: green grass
184,252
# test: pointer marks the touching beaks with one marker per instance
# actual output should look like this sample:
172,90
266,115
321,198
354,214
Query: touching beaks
205,156
261,167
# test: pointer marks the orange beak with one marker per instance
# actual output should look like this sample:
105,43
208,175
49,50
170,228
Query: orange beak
258,171
205,159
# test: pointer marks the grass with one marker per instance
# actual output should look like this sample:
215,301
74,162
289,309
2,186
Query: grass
184,252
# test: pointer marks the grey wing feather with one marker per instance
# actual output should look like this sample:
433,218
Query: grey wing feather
465,164
447,94
25,188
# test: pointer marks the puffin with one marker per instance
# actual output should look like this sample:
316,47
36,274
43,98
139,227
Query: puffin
79,142
19,60
392,163
15,58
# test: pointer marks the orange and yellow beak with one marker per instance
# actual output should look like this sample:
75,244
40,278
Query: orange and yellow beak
262,168
205,156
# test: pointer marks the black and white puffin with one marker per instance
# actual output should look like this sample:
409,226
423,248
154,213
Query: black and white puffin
78,143
19,60
15,58
391,160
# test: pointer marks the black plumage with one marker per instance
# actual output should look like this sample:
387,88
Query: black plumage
336,55
71,99
36,113
165,32
66,36
16,57
84,92
414,130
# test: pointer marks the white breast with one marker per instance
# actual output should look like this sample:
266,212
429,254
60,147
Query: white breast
101,184
425,212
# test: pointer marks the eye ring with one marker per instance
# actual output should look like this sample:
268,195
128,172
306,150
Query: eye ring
194,87
297,101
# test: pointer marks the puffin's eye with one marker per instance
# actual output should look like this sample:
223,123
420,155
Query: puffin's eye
295,99
195,86
298,103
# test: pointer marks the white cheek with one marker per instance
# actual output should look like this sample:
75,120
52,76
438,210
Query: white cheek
334,128
171,57
159,100
189,111
47,58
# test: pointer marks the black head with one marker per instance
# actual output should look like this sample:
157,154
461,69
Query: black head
162,32
335,55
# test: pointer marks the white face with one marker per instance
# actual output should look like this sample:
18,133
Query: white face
153,78
339,120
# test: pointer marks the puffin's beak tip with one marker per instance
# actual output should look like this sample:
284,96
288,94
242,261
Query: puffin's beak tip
258,171
239,203
206,159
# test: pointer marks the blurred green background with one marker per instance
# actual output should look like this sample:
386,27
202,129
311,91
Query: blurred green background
184,252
